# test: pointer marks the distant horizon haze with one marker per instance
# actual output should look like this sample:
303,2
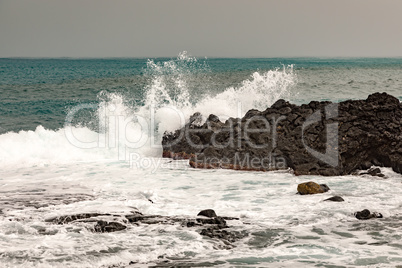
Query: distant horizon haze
223,29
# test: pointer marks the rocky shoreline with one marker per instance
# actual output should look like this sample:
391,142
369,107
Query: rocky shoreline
224,233
319,138
207,223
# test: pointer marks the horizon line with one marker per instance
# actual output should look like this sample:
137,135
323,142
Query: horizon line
199,57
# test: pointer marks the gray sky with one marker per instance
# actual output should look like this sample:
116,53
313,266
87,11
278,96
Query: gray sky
217,28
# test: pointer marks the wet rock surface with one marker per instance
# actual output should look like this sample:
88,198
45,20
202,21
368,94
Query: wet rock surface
375,172
312,188
210,213
365,214
207,223
108,227
319,138
70,218
335,199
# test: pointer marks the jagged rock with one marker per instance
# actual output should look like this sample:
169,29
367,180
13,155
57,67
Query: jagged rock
311,188
365,214
108,227
376,172
335,199
101,225
70,218
207,219
228,237
219,221
319,138
210,213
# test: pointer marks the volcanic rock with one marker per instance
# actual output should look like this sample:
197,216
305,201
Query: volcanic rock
107,227
376,172
335,199
365,214
210,213
207,222
319,138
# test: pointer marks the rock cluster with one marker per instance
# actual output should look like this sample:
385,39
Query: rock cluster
374,171
207,223
310,187
320,138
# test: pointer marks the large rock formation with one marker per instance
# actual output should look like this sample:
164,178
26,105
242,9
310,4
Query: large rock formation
320,138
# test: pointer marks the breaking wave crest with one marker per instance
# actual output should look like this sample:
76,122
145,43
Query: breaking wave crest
177,88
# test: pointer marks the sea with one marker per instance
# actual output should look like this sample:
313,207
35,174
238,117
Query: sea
83,135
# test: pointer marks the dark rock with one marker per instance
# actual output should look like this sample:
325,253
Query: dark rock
212,224
101,225
335,199
365,214
70,218
191,224
213,118
219,221
153,219
320,138
108,227
376,172
195,119
324,188
227,236
311,188
210,213
280,104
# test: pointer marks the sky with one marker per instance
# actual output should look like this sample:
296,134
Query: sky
217,28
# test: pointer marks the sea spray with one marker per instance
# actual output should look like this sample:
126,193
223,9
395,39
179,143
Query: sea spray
176,89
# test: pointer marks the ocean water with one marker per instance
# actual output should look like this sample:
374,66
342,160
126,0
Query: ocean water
83,135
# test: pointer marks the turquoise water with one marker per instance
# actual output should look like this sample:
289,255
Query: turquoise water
41,91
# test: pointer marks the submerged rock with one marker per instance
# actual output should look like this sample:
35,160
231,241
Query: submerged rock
376,172
319,138
311,188
228,237
107,227
365,214
70,218
102,225
335,199
207,222
215,228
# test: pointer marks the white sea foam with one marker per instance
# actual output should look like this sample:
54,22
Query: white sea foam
124,129
284,229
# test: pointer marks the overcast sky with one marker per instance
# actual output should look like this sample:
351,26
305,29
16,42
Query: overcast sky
217,28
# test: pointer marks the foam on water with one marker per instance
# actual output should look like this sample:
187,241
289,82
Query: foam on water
283,227
91,160
123,129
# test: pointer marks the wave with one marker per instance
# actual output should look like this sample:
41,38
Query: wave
122,129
